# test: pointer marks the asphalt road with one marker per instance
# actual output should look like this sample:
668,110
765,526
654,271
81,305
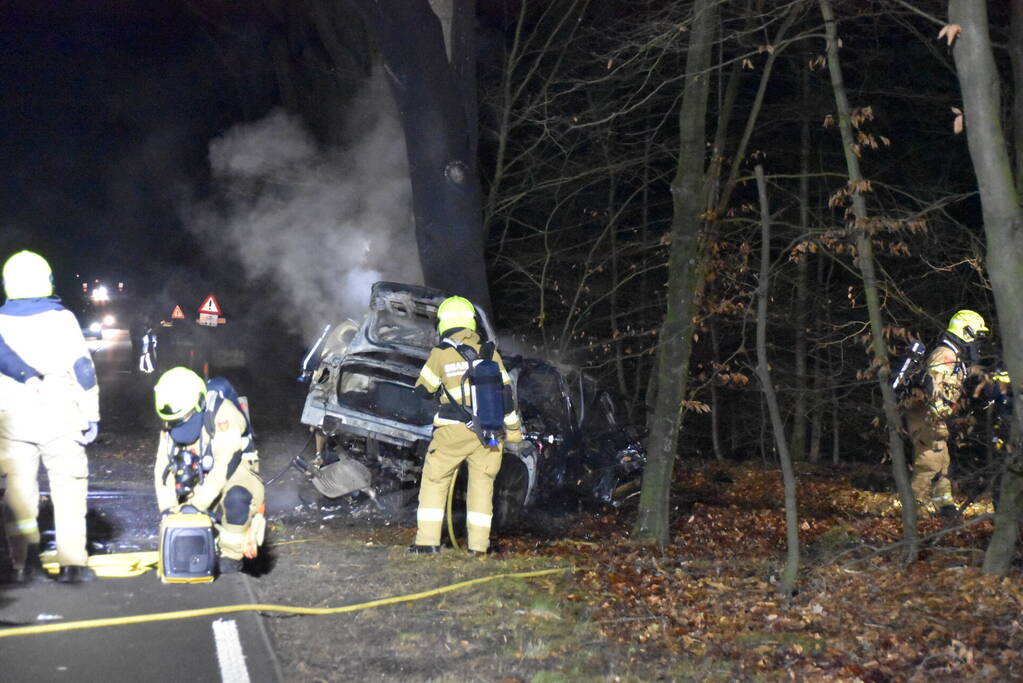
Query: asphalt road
233,647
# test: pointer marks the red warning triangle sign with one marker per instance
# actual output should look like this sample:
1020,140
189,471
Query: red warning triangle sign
177,313
210,306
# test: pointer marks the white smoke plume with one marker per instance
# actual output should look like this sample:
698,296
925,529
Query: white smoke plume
321,225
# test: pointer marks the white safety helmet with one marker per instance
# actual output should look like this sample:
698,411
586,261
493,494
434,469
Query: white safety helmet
27,275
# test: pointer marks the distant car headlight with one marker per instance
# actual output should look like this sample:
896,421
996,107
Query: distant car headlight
96,327
108,320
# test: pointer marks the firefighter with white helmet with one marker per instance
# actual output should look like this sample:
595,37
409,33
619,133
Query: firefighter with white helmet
51,422
454,439
945,369
207,459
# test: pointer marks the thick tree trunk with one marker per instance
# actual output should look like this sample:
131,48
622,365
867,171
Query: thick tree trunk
686,270
715,400
445,188
1003,228
817,417
865,261
1016,57
802,276
463,63
788,577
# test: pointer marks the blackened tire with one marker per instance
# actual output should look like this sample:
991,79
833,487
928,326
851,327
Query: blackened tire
510,489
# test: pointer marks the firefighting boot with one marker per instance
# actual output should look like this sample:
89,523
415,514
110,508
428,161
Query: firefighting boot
228,565
33,569
492,549
423,549
950,514
75,573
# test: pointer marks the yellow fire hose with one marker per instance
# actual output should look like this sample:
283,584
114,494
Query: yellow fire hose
228,609
127,565
112,566
451,523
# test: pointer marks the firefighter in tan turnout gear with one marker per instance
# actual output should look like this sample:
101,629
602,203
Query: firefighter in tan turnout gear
945,369
48,421
460,432
207,459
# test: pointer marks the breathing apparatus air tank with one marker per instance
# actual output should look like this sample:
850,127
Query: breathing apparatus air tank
488,400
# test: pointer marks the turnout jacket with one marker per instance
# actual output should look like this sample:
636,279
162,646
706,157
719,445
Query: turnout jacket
47,338
446,367
944,380
13,366
227,442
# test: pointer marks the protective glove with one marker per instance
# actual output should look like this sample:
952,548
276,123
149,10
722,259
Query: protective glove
513,436
89,435
940,411
941,430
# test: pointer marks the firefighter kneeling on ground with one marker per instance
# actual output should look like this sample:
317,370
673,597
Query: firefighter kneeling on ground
207,460
454,440
947,366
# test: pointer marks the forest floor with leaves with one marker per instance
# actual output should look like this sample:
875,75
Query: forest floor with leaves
857,615
707,607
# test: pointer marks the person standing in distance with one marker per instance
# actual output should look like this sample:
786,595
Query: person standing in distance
51,423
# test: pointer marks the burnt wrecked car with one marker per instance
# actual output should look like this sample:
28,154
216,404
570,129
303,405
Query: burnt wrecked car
574,423
372,430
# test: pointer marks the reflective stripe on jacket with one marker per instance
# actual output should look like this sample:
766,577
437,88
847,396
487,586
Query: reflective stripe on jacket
447,367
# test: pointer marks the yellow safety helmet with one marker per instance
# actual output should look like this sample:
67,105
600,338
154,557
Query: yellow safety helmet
27,275
455,311
179,393
968,325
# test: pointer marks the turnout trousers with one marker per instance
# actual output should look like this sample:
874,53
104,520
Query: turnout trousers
68,471
239,530
450,446
931,485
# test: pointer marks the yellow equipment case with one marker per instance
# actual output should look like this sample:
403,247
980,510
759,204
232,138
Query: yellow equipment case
188,551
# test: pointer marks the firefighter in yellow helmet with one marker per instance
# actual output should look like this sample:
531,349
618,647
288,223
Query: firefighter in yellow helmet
458,433
946,367
207,459
49,421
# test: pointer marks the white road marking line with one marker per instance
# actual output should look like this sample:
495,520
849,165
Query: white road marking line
230,657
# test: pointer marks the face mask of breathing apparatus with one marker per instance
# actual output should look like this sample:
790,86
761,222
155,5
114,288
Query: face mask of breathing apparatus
190,469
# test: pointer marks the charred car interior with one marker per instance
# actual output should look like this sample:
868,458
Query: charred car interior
371,430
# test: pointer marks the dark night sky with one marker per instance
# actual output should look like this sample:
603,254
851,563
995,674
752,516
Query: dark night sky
106,112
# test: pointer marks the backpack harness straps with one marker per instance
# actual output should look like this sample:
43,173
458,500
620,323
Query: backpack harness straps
470,355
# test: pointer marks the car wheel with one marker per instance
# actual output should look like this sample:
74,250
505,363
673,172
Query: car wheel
510,491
